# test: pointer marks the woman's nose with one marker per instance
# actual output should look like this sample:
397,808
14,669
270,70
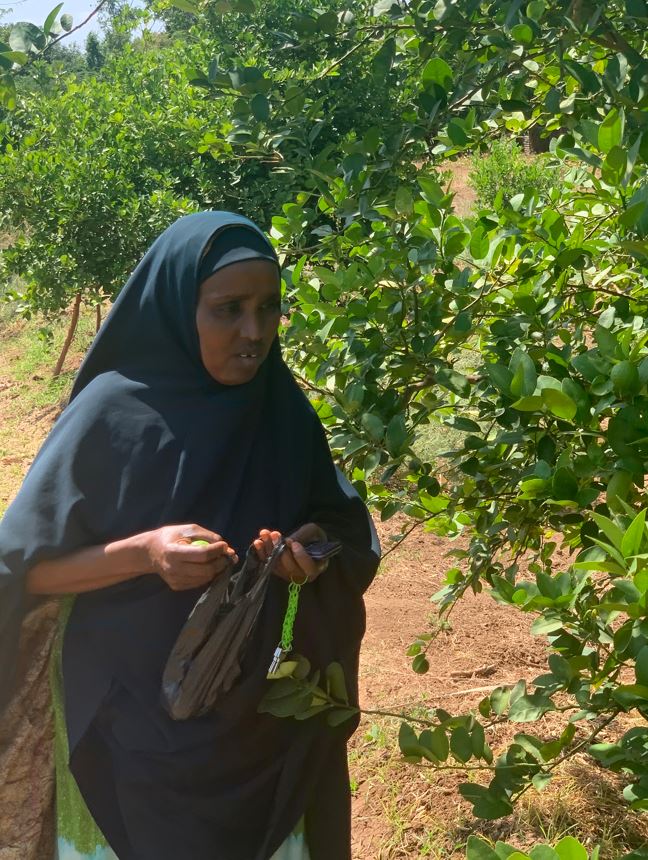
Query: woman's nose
251,327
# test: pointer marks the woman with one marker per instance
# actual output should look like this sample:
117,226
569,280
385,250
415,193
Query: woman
185,423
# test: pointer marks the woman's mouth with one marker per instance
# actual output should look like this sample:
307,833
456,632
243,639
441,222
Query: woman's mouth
249,358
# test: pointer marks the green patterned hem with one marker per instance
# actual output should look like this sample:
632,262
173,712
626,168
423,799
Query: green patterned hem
75,826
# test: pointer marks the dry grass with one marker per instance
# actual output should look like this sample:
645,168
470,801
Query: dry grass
424,816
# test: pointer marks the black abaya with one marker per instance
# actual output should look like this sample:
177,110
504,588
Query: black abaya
150,439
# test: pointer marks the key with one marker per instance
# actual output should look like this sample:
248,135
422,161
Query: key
277,657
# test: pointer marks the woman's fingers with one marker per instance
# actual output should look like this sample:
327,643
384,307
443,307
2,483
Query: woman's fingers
266,542
306,565
187,534
192,554
296,564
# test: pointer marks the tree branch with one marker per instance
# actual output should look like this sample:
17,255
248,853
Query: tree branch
32,59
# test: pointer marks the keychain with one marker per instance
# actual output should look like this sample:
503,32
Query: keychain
285,645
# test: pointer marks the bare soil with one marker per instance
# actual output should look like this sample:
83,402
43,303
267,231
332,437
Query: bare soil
405,811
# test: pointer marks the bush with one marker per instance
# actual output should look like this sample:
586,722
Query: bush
505,170
567,849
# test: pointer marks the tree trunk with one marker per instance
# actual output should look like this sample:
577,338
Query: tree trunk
97,318
74,319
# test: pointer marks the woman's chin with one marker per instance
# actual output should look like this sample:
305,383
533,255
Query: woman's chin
238,372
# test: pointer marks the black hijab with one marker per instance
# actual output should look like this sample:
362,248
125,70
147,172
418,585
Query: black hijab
149,439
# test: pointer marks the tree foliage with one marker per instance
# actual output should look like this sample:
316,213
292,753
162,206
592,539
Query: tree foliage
523,328
520,331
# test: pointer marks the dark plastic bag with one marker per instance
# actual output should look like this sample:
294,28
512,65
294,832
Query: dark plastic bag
206,658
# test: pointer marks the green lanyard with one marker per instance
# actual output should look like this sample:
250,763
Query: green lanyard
285,645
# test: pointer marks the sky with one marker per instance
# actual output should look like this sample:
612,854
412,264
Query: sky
37,11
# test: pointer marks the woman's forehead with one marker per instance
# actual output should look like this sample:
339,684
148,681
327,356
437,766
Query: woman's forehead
239,280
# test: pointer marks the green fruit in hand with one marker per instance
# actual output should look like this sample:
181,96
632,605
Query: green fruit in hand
625,378
199,542
618,488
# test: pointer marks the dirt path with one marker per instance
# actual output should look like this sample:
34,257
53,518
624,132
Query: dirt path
487,646
402,811
20,437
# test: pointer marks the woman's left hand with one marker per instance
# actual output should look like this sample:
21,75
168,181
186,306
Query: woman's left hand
294,564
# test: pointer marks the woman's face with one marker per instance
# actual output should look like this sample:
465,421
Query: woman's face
237,317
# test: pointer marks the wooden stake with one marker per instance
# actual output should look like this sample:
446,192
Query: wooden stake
74,319
98,318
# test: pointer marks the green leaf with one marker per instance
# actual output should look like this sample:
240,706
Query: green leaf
499,699
535,10
186,6
524,374
570,849
457,133
437,71
478,849
408,741
610,529
504,850
420,664
637,8
479,244
641,666
564,484
546,624
352,166
340,715
611,130
433,504
396,435
500,376
51,18
529,404
588,81
461,744
486,803
373,426
559,403
631,695
522,33
403,201
8,92
328,23
18,57
543,852
25,37
336,682
437,742
633,537
260,107
530,707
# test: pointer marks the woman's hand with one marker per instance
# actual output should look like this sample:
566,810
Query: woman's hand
183,566
294,564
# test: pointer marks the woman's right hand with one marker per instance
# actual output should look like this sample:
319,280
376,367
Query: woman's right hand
183,565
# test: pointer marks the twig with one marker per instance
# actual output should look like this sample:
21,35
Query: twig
74,29
341,59
488,689
404,537
32,59
405,717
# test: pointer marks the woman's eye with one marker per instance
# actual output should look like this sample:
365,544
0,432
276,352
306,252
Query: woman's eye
274,305
229,309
